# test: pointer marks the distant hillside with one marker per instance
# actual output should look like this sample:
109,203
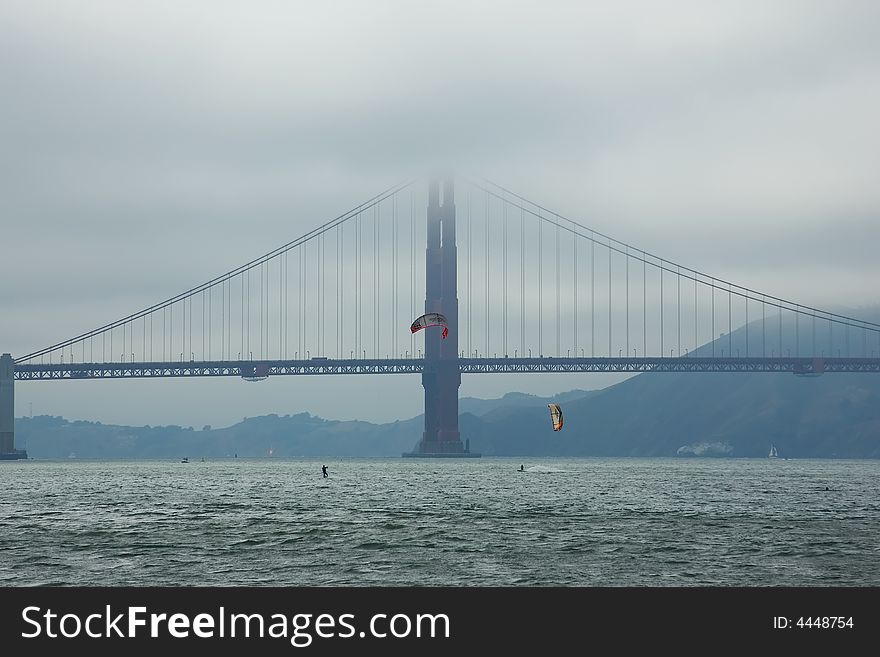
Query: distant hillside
271,435
833,416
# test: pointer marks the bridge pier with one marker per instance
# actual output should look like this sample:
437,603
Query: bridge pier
7,411
441,377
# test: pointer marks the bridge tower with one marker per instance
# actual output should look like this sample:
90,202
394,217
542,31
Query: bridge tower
441,377
7,410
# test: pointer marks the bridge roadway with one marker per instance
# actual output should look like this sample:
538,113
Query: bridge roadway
260,369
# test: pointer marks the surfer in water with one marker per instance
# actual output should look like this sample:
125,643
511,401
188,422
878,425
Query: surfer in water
521,468
324,471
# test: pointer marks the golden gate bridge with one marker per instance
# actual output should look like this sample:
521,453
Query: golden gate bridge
524,290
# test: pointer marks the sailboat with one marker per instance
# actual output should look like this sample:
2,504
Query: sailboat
773,454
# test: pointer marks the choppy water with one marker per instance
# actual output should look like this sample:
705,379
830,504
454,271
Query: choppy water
472,522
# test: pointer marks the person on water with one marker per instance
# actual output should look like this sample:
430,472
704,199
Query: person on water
521,468
324,470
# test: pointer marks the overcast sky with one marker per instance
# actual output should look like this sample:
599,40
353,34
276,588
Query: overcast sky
146,147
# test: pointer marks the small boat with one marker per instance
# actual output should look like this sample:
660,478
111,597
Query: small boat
184,460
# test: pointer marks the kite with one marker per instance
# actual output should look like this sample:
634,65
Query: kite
555,416
430,319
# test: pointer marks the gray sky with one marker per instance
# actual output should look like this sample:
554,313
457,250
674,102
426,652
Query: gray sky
147,147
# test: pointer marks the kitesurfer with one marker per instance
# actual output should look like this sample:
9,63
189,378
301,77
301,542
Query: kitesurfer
324,471
521,468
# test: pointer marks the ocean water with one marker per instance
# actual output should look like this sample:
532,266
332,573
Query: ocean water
469,522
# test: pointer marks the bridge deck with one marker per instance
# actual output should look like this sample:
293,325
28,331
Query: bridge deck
265,368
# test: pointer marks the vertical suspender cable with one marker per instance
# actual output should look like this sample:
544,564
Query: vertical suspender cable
522,281
486,243
814,334
662,345
318,296
644,304
280,306
696,339
469,284
376,281
592,294
540,285
729,323
412,264
780,330
609,299
712,290
488,351
575,243
558,346
340,268
504,272
394,276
